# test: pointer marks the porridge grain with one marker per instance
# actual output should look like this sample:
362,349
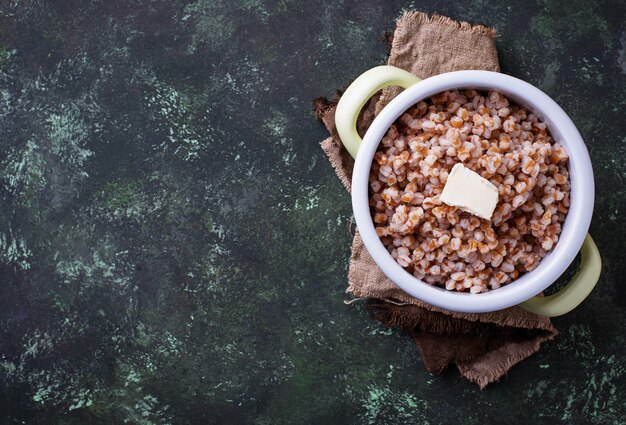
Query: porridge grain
502,142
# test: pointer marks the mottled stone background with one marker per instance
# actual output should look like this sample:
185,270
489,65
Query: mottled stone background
174,245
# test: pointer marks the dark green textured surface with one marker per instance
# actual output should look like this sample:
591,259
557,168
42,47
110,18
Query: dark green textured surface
174,245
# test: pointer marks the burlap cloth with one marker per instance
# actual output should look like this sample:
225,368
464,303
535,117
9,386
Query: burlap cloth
482,346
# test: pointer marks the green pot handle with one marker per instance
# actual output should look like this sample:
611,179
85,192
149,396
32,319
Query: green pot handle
576,290
357,95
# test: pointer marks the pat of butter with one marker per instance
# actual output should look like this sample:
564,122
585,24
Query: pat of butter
470,192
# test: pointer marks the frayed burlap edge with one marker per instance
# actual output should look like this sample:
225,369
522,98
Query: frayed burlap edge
331,150
435,18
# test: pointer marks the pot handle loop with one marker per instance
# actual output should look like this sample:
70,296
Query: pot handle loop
357,95
576,290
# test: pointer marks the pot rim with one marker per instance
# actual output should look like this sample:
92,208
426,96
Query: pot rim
574,228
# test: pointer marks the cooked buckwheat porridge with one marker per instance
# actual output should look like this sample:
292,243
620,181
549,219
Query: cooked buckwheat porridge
499,140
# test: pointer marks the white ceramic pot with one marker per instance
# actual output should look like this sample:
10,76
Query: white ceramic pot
573,237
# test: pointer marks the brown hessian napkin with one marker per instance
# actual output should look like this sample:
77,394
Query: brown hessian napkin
482,346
